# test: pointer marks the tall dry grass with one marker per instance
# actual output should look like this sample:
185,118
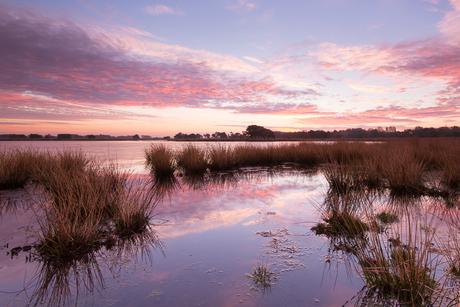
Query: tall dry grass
221,157
399,262
192,159
17,166
403,166
160,159
404,172
85,203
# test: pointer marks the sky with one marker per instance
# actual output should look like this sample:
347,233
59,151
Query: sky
162,67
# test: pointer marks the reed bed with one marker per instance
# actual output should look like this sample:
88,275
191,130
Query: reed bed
16,167
401,263
160,160
192,159
221,157
402,166
88,204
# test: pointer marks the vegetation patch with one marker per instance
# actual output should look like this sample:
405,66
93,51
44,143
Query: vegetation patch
262,276
387,218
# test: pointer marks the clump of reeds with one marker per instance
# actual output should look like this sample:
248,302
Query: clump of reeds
17,166
404,172
262,276
192,159
135,209
341,215
402,266
221,157
341,178
160,160
83,206
70,215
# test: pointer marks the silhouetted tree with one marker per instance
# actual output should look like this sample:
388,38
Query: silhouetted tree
64,136
255,132
35,136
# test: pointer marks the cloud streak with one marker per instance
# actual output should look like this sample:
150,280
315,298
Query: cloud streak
75,68
159,9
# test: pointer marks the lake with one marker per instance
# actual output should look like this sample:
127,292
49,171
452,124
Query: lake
211,233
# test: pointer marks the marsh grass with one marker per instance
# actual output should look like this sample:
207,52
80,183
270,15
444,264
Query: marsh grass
85,204
262,276
221,157
341,214
450,164
160,160
342,179
402,265
404,173
403,166
135,209
17,166
192,159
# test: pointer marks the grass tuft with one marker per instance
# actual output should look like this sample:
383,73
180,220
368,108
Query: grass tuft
160,160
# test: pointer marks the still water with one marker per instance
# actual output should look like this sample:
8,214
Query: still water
211,233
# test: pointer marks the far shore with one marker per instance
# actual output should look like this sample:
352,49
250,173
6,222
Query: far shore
212,140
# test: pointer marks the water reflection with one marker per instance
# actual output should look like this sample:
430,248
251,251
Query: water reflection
59,283
234,205
68,281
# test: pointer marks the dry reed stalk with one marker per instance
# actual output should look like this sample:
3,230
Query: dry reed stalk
192,159
160,160
16,167
404,266
222,157
404,172
135,209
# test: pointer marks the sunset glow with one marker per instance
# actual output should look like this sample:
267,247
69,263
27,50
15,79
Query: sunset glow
159,68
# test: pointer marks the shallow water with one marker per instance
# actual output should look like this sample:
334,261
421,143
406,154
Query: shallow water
211,233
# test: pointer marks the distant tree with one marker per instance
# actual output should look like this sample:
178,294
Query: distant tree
35,136
220,135
18,136
64,136
180,135
259,132
136,137
166,137
90,136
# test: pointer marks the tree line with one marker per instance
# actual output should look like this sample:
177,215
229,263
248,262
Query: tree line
259,132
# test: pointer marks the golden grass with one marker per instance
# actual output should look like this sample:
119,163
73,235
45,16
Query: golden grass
400,165
16,167
400,263
192,159
160,160
84,204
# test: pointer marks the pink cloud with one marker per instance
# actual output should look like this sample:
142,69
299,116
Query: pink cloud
432,59
60,60
392,114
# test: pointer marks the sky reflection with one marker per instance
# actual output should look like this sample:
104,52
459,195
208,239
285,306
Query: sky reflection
210,235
